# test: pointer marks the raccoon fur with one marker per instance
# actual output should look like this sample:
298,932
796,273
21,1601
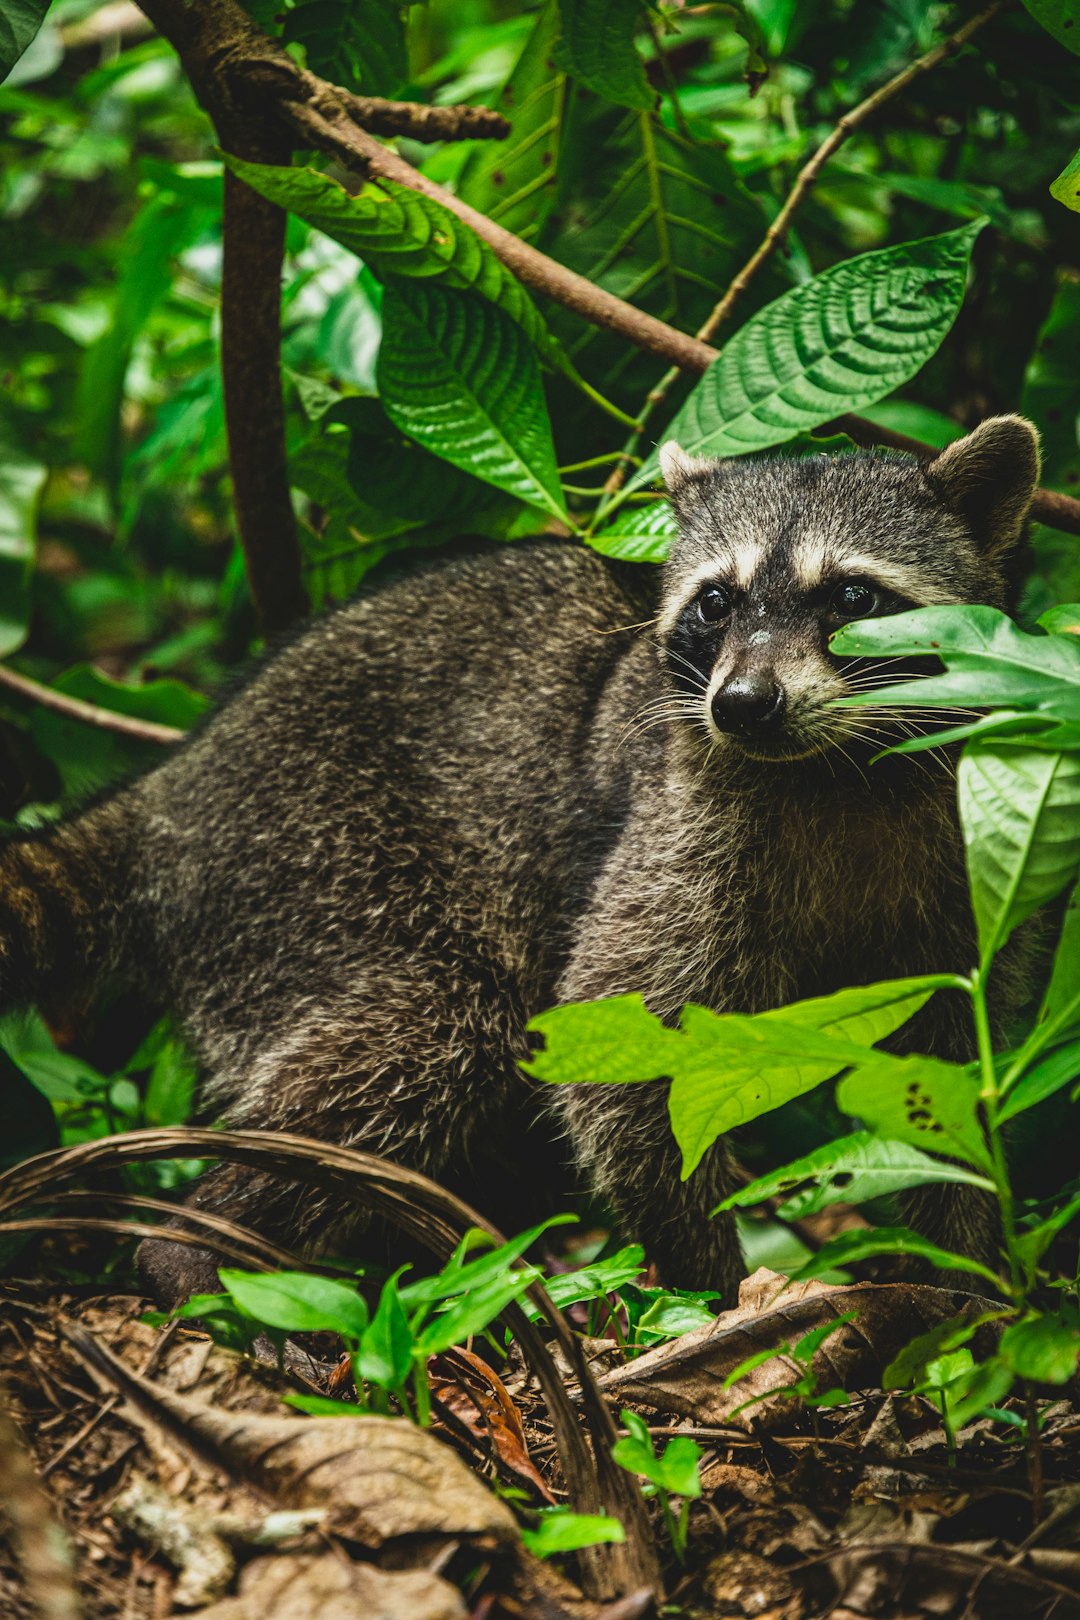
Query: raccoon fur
483,788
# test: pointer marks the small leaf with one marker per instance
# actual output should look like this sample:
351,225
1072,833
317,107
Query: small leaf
842,341
558,1530
297,1301
910,1365
1020,811
597,49
475,1311
679,1466
386,1346
1066,188
1044,1348
460,377
850,1247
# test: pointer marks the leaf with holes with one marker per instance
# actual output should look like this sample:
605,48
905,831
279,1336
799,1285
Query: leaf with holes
841,342
921,1100
398,232
1060,18
514,181
460,377
1066,188
1020,812
597,49
361,46
853,1169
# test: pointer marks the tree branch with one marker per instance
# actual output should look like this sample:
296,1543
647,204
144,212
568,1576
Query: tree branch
233,44
415,119
72,708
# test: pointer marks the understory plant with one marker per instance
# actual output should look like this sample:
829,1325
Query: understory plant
919,1120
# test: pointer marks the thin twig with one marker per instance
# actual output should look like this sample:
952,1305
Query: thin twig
777,232
72,708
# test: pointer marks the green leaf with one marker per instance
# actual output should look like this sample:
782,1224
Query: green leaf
920,1100
594,1281
679,1469
842,341
459,1276
853,1170
558,1530
850,1247
19,22
1020,812
1060,18
597,48
476,1310
1057,1069
22,480
1066,188
399,232
358,45
1064,986
459,377
989,661
910,1365
58,1075
86,757
297,1301
514,181
669,1316
385,1355
638,533
1044,1348
1033,1244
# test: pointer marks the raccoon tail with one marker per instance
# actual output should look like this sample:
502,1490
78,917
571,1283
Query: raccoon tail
63,910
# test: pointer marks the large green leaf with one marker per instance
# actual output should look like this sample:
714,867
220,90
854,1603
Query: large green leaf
725,1069
1060,18
21,482
514,181
19,23
1020,811
398,232
853,1169
850,1247
638,533
597,49
460,377
842,341
357,43
656,219
989,661
921,1100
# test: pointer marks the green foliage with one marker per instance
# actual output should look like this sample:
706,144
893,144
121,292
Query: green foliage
673,1472
1060,18
359,46
597,49
558,1530
19,23
21,482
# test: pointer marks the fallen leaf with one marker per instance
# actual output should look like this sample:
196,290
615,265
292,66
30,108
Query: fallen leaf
312,1588
686,1377
479,1399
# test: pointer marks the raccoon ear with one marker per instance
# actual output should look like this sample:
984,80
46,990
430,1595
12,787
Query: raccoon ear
680,469
989,478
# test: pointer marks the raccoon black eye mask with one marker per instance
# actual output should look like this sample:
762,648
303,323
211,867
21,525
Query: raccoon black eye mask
405,836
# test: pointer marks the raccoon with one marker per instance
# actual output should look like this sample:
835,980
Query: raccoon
525,775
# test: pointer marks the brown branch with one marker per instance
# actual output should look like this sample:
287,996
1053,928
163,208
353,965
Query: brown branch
845,127
231,41
72,708
777,231
414,119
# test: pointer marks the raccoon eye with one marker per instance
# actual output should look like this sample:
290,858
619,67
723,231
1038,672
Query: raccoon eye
713,604
853,600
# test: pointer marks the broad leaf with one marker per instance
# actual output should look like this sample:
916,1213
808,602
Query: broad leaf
597,48
1043,1348
845,339
638,533
725,1069
297,1301
920,1100
22,480
460,377
1020,811
398,232
852,1170
1060,18
1057,1069
19,22
988,661
357,43
514,181
1064,986
850,1247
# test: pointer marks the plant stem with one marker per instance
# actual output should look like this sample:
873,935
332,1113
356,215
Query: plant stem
1033,1452
421,1392
990,1097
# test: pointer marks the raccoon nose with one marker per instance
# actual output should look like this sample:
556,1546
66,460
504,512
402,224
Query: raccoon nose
748,703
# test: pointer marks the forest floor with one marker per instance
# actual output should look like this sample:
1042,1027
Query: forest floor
192,1499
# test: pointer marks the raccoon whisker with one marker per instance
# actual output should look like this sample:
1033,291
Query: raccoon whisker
618,629
668,652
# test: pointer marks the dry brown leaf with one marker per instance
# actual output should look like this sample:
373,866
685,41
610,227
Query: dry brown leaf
479,1399
318,1588
686,1377
383,1477
910,1580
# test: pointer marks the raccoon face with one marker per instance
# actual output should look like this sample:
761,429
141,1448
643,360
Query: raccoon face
775,554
